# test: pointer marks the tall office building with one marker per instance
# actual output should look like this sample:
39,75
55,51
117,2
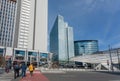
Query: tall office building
61,41
31,25
7,21
23,24
85,47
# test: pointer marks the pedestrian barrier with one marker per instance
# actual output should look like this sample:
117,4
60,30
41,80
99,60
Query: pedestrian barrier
62,70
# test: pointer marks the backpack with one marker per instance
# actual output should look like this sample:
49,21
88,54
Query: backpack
16,67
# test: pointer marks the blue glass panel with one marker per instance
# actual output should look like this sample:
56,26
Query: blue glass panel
43,55
32,53
1,51
20,52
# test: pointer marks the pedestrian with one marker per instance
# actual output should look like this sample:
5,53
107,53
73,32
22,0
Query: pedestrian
16,70
7,68
23,68
31,69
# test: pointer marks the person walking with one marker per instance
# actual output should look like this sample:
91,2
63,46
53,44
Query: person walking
23,68
7,68
16,68
31,69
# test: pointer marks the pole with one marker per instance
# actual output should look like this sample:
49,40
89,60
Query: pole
110,58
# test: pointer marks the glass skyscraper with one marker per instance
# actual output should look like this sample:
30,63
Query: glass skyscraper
85,47
61,41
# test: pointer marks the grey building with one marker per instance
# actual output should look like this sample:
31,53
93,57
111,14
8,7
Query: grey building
61,41
85,47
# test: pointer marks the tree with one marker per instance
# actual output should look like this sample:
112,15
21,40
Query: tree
2,61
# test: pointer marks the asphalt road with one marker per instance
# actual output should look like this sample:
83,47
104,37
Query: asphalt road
83,76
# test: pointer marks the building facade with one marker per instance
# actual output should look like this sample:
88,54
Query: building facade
61,41
31,25
85,47
106,59
23,24
24,55
7,21
23,29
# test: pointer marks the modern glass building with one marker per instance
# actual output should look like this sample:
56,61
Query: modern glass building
61,41
85,47
7,22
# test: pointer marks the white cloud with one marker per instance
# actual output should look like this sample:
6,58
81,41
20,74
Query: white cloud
110,6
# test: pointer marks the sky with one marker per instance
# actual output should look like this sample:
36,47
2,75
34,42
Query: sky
90,19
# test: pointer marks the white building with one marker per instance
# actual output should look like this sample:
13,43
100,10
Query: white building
7,21
23,24
31,25
109,59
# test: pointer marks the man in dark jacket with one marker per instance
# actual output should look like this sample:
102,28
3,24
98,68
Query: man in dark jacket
16,70
23,68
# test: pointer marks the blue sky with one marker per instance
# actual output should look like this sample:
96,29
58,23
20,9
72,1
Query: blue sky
90,19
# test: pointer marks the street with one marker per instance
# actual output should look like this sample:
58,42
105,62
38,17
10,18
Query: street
83,76
65,76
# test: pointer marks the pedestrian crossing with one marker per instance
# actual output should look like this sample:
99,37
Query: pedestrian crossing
6,76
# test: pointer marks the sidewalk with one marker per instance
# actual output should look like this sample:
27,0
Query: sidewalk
6,76
37,76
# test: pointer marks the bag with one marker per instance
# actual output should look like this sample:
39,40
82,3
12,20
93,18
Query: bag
33,68
16,67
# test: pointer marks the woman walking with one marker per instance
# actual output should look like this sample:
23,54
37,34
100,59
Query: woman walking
31,69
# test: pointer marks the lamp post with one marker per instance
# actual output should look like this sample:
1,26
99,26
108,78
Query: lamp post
110,58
